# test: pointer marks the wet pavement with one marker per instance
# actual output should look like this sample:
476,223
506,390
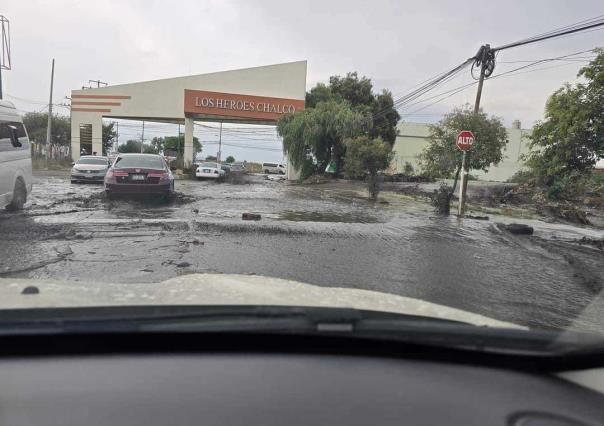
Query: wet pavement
327,235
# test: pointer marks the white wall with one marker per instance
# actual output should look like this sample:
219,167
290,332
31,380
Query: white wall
413,138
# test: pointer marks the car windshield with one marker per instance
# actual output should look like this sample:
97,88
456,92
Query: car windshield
142,161
102,161
426,159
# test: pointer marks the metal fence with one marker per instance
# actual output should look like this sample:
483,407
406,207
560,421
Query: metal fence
51,152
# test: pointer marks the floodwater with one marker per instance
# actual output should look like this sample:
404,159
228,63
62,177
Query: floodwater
328,235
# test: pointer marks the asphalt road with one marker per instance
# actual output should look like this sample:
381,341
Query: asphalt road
327,235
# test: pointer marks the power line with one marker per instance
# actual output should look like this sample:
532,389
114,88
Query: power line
598,21
512,71
508,73
430,85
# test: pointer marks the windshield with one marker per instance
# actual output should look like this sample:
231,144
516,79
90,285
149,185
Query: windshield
143,161
414,159
102,161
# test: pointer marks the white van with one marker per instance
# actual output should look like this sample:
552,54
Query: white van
273,168
15,159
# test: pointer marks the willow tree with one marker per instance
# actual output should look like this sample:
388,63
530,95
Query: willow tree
320,132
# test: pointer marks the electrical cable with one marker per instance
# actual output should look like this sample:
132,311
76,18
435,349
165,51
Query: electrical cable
570,29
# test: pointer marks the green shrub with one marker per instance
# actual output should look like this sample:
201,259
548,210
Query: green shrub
408,169
308,169
522,176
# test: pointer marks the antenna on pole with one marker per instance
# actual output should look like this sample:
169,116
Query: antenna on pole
97,82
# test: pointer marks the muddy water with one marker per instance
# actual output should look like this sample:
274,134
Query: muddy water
328,235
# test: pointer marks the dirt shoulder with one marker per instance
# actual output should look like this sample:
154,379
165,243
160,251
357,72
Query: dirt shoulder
515,200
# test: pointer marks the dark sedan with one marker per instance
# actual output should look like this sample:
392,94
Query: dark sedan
139,174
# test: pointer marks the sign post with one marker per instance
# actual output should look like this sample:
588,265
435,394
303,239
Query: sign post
464,142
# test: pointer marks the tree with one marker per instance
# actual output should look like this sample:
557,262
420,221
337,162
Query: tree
109,136
319,93
355,90
230,159
134,146
365,158
358,93
211,158
568,143
173,143
320,132
385,118
442,159
36,123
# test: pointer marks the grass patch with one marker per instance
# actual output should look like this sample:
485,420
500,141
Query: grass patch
40,163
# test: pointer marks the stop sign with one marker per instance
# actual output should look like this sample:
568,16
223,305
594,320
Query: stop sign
465,140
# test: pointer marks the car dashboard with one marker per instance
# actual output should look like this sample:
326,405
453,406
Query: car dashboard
169,386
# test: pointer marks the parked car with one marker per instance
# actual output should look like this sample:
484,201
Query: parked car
139,174
209,170
238,167
90,168
226,168
273,168
15,159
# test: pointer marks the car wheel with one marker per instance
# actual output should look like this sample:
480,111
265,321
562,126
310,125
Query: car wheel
109,195
19,196
267,172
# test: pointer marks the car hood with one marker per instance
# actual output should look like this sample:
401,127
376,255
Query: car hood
90,167
219,289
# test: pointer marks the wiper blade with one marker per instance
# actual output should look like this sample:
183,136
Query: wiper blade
350,323
202,318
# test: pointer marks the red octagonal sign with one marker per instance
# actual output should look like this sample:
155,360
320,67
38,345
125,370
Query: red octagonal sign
465,140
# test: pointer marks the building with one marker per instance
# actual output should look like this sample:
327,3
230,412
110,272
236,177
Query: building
259,95
413,138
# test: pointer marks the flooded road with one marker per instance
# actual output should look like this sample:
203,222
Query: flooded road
327,235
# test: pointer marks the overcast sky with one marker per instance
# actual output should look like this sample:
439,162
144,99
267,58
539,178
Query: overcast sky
395,43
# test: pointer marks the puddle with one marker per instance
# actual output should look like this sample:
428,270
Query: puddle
351,217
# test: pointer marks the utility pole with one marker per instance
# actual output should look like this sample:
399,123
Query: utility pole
49,126
465,163
4,48
219,144
178,146
117,136
143,137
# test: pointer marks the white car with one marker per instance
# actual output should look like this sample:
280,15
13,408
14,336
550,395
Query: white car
207,170
273,168
90,168
15,159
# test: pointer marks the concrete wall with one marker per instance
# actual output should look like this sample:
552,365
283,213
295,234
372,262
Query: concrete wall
413,138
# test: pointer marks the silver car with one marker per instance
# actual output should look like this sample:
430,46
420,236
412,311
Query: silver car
90,168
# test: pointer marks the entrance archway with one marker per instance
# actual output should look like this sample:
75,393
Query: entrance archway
259,95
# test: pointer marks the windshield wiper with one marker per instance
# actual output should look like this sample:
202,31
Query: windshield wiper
285,320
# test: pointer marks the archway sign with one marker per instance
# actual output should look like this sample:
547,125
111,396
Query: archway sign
259,95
